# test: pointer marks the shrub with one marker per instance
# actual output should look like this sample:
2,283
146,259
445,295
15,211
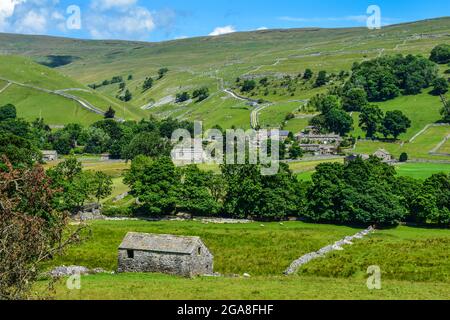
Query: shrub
441,54
403,157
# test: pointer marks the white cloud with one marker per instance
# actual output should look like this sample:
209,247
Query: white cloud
135,23
7,7
222,30
6,11
262,28
104,5
33,22
111,19
29,16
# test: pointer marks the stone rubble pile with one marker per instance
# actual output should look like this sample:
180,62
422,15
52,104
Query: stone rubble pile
337,246
64,271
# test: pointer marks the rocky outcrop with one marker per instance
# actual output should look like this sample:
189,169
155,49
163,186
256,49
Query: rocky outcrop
337,246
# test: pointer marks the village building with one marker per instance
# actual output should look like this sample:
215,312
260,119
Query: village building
381,154
49,155
282,134
320,149
319,138
105,157
188,155
384,155
319,144
183,256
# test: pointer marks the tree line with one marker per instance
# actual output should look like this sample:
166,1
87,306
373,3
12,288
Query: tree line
22,141
359,192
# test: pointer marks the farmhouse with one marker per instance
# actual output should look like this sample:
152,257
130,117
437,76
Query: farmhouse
320,149
319,138
381,154
188,155
183,256
105,157
384,155
49,155
283,134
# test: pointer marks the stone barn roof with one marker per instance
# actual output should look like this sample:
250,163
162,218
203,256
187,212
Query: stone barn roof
49,152
161,243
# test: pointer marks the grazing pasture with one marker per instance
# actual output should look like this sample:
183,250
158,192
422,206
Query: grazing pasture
414,263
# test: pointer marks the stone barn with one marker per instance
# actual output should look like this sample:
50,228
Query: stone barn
184,256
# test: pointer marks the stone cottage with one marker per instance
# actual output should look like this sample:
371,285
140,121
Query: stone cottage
49,155
384,155
184,256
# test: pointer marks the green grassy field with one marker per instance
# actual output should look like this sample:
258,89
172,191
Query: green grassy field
445,148
237,248
414,263
103,102
421,170
418,149
32,104
161,287
273,116
310,165
411,254
28,72
298,124
421,109
118,188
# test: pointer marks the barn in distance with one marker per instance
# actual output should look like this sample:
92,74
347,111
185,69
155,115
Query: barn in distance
175,255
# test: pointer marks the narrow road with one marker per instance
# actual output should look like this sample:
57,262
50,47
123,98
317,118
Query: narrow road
236,96
62,93
254,121
254,116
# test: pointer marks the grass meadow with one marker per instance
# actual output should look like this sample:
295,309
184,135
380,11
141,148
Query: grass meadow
420,148
414,263
32,104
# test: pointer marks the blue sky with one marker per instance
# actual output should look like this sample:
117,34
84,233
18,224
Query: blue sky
159,20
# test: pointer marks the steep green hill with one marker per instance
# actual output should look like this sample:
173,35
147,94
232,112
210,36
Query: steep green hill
38,91
216,62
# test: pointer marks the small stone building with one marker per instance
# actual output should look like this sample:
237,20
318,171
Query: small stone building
105,157
49,155
184,256
384,155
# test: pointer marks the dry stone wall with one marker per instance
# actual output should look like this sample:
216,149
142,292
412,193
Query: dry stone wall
337,246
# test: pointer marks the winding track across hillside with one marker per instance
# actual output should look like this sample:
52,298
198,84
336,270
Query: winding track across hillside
254,116
86,105
5,87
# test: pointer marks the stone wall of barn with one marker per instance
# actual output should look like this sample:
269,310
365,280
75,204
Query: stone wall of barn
169,263
202,261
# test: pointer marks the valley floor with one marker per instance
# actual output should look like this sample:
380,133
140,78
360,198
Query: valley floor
162,287
413,261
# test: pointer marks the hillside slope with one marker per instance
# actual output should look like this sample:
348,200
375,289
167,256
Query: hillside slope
38,91
216,62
